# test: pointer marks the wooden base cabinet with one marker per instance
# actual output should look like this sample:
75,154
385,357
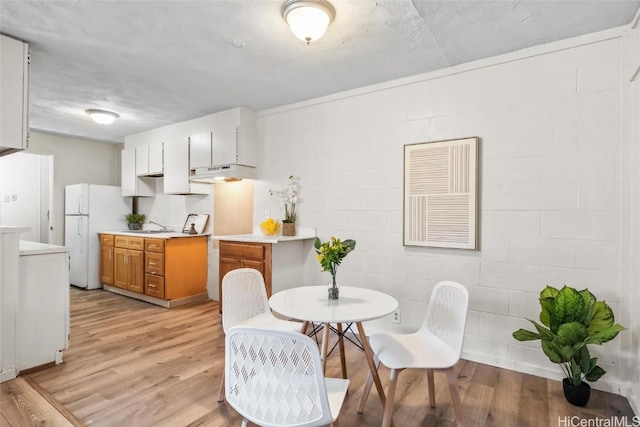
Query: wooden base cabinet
234,255
106,259
128,263
163,271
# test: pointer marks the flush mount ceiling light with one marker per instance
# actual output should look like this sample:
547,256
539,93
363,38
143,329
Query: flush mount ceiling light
308,19
104,117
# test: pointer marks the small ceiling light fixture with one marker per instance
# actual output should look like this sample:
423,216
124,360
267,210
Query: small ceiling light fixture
104,117
308,19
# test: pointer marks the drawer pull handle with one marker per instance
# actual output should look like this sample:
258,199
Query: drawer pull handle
150,285
152,263
153,246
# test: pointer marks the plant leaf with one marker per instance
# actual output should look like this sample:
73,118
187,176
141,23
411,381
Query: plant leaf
606,335
571,333
524,335
317,243
589,305
595,374
552,351
602,318
549,292
585,360
569,305
547,308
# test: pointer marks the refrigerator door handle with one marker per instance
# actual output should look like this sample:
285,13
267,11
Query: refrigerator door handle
80,226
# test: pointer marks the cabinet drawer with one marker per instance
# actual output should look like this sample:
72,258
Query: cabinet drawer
106,239
136,243
154,263
253,251
121,241
154,286
154,245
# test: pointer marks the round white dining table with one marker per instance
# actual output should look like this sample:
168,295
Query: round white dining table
355,305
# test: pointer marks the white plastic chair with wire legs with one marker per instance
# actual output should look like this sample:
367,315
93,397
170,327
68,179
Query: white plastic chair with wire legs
275,378
437,345
245,302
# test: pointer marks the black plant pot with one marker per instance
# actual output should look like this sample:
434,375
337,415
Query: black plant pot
578,396
135,226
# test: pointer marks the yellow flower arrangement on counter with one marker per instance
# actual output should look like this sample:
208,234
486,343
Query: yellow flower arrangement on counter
270,227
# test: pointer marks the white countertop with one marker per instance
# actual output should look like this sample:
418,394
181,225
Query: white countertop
36,248
302,233
162,235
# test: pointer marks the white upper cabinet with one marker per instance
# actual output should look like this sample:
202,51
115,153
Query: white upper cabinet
149,159
177,169
131,184
200,149
228,144
14,95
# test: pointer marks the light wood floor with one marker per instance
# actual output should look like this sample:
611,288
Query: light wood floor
134,364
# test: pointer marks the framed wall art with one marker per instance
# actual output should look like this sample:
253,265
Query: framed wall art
440,194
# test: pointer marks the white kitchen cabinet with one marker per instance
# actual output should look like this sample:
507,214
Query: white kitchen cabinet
177,170
235,144
229,143
200,148
14,95
156,158
132,184
42,325
149,159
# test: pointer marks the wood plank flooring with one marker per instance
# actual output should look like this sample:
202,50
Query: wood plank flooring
135,364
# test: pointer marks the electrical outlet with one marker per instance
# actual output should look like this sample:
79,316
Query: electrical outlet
395,317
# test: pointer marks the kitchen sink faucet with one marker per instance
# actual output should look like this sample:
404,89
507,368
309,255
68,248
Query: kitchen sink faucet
164,227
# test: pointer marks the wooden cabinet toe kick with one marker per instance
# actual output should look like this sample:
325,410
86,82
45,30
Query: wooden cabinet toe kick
157,301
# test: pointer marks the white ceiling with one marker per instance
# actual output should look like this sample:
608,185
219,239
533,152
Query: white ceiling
161,62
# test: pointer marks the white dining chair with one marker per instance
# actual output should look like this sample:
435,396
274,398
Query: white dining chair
245,302
275,378
437,345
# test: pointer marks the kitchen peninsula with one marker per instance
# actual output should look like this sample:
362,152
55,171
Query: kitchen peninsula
280,259
163,268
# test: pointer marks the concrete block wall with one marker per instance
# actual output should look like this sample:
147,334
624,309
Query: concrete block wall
550,128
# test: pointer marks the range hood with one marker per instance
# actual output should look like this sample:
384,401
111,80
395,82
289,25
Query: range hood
223,173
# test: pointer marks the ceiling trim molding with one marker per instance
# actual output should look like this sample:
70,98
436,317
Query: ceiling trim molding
530,52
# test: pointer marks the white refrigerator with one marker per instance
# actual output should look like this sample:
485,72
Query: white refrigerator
89,209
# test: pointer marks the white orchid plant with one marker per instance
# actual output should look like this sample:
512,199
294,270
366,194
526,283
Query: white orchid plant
289,197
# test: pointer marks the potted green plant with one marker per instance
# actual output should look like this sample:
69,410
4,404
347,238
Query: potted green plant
571,320
135,221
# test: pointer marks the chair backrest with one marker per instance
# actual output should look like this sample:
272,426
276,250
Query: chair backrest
447,314
275,378
243,296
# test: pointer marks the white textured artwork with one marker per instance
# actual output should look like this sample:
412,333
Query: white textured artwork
440,194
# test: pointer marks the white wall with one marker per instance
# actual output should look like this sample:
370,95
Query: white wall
550,124
630,315
75,161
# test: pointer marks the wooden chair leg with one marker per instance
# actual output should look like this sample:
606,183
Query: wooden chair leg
432,389
336,423
452,378
221,390
391,391
367,388
343,361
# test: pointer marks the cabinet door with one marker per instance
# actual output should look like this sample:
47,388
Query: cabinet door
142,160
120,268
136,271
14,94
106,264
200,150
256,265
156,162
128,169
176,166
247,146
225,148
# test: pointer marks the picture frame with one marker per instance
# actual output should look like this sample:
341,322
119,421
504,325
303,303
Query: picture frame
199,221
440,194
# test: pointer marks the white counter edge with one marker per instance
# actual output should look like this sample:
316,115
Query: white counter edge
37,248
302,233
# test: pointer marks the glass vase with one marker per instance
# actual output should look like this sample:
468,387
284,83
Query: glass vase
333,290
